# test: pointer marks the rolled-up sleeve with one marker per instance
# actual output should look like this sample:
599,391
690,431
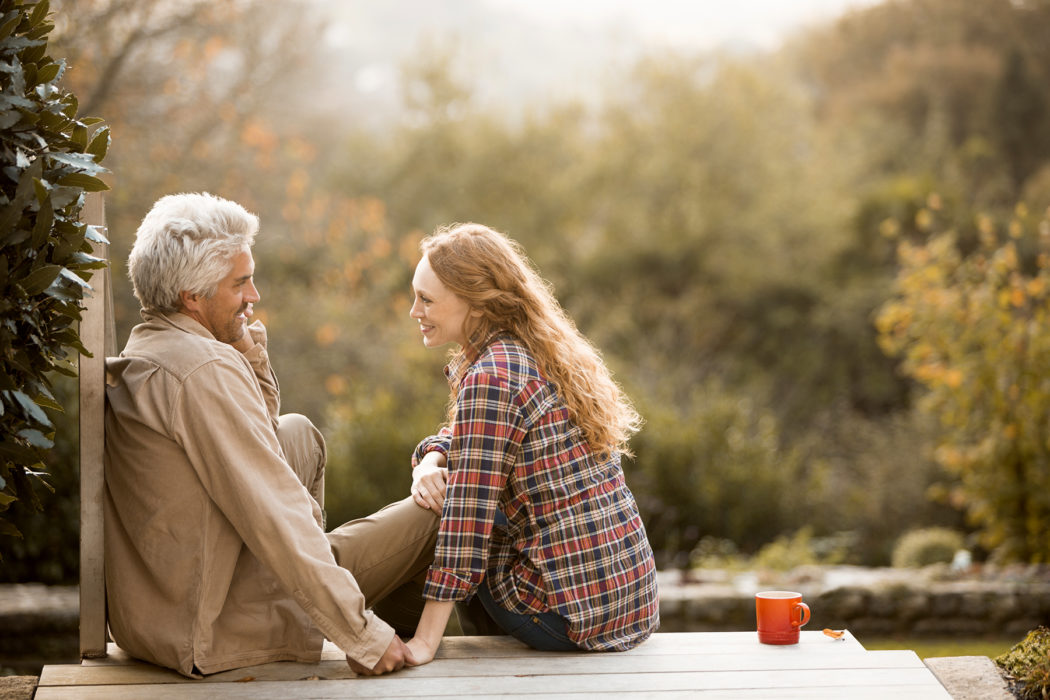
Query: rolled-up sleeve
227,434
434,443
485,438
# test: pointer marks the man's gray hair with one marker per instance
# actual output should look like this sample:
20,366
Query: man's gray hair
186,243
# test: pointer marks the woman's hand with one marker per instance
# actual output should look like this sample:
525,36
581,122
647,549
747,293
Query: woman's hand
429,481
421,651
429,631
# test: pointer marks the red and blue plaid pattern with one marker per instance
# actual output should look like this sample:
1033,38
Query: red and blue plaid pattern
574,543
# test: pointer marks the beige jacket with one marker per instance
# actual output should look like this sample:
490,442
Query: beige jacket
214,556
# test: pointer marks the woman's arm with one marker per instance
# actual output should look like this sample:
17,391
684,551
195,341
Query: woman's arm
429,631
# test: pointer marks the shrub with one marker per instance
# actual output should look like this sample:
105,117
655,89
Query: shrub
1028,665
926,546
48,161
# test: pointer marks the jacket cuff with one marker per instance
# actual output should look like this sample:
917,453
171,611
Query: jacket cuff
367,648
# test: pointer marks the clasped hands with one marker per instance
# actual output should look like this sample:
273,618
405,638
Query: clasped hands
429,482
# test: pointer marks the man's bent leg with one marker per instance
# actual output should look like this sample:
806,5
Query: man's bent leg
304,450
389,553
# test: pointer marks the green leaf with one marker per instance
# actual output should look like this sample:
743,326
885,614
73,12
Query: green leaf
73,277
94,234
9,117
6,499
79,137
36,438
39,12
10,21
41,31
35,52
66,367
31,409
44,220
85,182
8,529
40,279
16,453
82,161
48,73
99,145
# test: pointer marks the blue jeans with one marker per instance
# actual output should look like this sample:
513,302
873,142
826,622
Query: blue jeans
543,631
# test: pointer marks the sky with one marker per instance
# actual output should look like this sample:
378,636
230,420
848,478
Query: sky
522,54
695,24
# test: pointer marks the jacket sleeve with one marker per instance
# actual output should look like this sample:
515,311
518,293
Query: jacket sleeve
222,420
258,357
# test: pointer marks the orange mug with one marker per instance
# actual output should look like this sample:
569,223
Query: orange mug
779,615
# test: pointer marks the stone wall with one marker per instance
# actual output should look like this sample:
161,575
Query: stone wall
893,609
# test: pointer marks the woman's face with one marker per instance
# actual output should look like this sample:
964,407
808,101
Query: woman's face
442,315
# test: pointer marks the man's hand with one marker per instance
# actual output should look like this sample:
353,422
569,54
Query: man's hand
429,481
395,657
248,338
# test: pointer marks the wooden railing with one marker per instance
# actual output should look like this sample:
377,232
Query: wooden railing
97,335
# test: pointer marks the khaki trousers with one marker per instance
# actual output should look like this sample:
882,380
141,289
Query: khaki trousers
388,552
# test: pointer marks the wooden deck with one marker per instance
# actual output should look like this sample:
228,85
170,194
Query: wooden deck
669,665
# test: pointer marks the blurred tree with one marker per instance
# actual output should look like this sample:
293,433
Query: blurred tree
197,93
714,467
972,330
1020,111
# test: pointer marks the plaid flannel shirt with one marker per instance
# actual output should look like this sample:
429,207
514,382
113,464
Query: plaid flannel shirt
574,543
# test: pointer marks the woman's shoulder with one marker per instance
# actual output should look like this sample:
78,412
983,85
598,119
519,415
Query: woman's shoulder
507,358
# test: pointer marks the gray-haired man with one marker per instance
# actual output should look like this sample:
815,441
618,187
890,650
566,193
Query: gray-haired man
216,557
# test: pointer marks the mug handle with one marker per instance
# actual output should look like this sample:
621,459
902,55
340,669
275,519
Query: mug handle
804,617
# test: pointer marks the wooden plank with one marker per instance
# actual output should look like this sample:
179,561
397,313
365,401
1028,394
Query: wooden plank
880,683
93,327
539,664
659,644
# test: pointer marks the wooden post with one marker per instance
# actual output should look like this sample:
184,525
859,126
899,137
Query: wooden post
96,333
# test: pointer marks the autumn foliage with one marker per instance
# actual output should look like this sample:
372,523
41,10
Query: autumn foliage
972,326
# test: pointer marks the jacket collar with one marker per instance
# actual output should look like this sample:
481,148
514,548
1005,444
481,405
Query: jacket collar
175,319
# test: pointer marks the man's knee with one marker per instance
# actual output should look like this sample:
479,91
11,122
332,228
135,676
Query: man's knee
305,451
300,439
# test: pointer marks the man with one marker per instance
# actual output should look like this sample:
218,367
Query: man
215,553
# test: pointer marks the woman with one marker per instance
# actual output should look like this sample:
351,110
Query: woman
536,519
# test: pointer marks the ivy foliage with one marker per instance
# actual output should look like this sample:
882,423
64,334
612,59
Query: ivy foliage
48,160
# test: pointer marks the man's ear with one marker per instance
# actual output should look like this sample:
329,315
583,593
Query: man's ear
189,301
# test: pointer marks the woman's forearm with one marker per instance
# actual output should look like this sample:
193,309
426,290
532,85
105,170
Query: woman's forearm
433,621
429,631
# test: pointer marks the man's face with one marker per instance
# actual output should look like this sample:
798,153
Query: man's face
226,313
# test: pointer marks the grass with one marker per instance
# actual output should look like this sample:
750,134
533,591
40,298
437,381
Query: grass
926,647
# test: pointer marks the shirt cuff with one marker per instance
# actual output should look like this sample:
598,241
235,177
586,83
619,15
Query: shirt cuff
447,586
